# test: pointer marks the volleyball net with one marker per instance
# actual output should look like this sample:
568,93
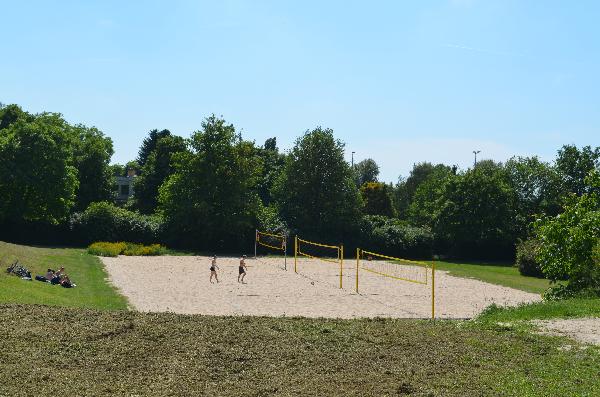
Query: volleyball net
333,254
270,242
396,270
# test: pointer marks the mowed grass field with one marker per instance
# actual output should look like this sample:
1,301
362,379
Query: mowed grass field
85,270
495,273
48,351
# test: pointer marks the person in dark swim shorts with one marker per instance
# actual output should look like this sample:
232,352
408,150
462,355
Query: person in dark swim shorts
242,269
213,269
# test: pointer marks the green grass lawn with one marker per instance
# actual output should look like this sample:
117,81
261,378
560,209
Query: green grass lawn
85,270
48,351
569,308
501,274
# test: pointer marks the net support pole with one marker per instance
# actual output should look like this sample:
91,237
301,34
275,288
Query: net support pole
284,252
433,289
296,254
357,265
255,241
341,253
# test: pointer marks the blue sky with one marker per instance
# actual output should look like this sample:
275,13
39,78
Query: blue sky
398,81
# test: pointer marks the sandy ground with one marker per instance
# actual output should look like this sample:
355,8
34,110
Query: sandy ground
586,330
181,284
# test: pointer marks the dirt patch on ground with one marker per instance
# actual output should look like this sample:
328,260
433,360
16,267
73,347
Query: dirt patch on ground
181,284
586,330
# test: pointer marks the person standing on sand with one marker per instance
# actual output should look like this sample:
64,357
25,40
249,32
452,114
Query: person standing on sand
242,269
213,269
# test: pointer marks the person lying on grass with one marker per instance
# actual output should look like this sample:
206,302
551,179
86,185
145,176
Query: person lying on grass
242,269
65,282
213,269
47,277
57,276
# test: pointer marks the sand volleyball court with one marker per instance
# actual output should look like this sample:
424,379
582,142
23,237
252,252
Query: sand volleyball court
181,284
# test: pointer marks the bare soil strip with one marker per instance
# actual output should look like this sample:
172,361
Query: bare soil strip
586,330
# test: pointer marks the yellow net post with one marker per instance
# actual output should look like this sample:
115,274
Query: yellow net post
285,252
433,289
296,254
372,267
341,254
357,262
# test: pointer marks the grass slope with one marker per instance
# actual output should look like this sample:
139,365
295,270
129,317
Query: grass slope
86,271
71,352
500,274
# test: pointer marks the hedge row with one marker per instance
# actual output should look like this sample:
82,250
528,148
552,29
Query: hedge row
104,221
128,249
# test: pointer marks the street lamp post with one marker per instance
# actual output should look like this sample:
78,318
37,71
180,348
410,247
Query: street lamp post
475,153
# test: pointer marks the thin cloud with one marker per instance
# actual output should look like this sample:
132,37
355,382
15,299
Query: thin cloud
492,52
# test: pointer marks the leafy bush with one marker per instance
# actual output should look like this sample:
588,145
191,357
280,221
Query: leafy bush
527,258
106,249
269,220
144,250
569,242
596,253
129,249
393,237
104,221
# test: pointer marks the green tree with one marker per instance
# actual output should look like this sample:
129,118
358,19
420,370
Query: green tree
316,192
273,163
538,190
117,170
11,113
37,178
132,165
377,199
157,168
92,153
211,200
568,240
574,165
406,188
149,144
424,204
366,171
476,213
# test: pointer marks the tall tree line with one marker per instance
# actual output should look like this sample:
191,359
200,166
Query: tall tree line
211,190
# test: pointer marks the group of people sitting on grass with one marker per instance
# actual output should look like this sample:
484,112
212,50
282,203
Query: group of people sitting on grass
56,277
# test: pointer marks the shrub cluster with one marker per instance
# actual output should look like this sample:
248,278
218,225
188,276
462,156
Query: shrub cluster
526,259
106,249
104,221
128,249
144,250
396,238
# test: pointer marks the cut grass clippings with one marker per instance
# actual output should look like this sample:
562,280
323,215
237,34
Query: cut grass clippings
127,353
92,291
